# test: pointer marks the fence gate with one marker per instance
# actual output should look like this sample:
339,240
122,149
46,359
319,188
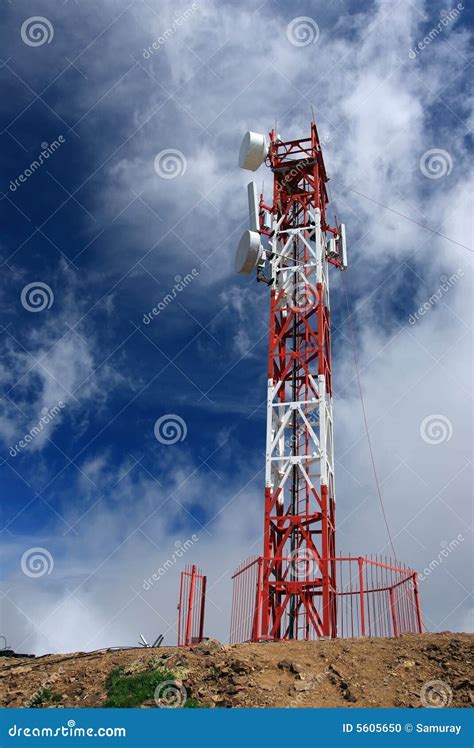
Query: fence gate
192,600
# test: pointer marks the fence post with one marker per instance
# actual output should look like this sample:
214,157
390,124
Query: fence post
180,609
258,602
189,619
361,593
417,603
392,608
203,603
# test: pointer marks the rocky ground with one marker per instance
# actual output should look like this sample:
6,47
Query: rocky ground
411,671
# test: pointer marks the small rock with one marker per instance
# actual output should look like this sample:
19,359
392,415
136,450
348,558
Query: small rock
349,696
295,668
299,686
232,690
292,667
241,680
461,683
240,667
207,647
176,660
408,664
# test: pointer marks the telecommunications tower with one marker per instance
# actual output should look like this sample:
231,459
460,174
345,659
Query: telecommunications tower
291,248
299,588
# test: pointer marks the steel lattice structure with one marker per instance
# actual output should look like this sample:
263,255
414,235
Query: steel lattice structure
299,588
299,580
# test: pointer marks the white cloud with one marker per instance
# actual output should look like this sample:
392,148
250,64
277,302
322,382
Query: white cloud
54,364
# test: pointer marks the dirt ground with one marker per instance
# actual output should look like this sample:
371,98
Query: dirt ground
411,671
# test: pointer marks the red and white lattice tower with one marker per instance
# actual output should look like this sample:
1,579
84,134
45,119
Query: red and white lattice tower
292,247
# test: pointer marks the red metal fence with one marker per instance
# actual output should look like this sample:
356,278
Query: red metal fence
246,595
192,600
374,597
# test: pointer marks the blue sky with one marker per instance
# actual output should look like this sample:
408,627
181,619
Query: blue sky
111,237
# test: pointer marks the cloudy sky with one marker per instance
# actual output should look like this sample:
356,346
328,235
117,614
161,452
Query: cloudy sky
99,231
